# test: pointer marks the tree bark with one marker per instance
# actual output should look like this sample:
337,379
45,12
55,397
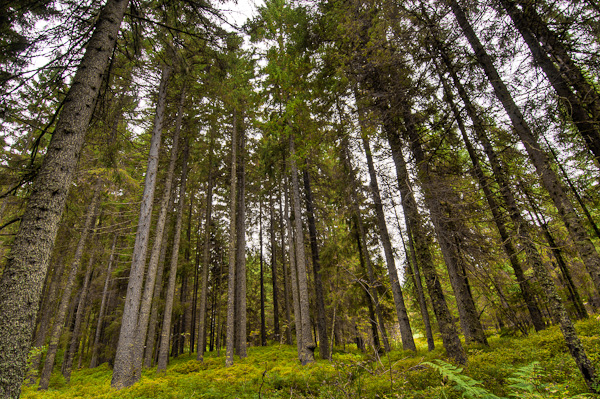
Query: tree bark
308,345
59,320
163,354
314,247
26,265
263,327
286,291
294,278
124,367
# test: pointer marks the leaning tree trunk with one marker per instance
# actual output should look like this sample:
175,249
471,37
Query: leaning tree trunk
27,263
408,342
320,302
206,254
363,250
538,157
511,253
146,301
163,353
96,345
553,186
59,320
124,367
308,345
422,243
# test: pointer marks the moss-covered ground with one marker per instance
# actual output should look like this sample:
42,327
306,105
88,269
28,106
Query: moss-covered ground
274,372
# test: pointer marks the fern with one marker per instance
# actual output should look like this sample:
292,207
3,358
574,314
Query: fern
469,387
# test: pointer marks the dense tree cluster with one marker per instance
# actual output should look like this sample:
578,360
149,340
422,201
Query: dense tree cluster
331,172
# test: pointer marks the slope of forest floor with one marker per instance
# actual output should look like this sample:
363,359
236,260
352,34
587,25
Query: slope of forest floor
537,366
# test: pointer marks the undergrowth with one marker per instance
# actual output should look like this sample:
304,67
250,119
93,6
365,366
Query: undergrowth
537,366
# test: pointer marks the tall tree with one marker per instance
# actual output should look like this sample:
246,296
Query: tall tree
25,270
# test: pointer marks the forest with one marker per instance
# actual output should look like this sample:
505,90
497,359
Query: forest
300,199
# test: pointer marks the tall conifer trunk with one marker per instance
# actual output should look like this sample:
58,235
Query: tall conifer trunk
308,345
319,300
276,330
124,367
163,354
27,263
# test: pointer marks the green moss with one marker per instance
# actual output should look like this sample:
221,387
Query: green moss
276,373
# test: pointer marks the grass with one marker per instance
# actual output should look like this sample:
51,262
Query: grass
274,372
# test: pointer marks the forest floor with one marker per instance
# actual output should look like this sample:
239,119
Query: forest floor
535,366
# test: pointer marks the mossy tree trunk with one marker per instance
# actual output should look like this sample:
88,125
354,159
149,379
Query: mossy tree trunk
26,265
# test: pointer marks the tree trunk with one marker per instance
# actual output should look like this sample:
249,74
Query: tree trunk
163,354
294,278
553,186
526,291
26,265
149,351
540,160
422,242
363,249
206,254
587,127
408,342
286,291
231,282
319,299
263,327
308,345
140,333
59,320
240,273
124,370
96,345
276,331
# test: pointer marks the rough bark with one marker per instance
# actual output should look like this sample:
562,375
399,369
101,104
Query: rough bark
318,281
96,345
308,345
294,278
59,320
124,367
26,265
538,157
163,354
408,342
286,291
